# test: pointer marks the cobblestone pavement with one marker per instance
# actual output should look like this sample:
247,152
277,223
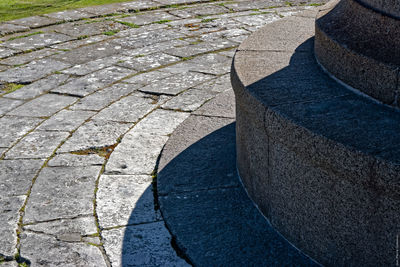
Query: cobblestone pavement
88,98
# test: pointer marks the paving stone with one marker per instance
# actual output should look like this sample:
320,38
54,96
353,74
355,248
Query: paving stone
148,62
91,66
37,41
142,29
77,43
74,160
249,5
34,21
124,200
43,250
148,17
38,144
12,128
218,85
224,34
7,28
8,104
81,226
173,85
128,109
92,82
136,154
147,78
139,5
39,87
148,38
27,57
9,209
105,97
207,10
66,120
222,105
32,71
160,122
258,20
173,2
88,28
62,192
2,150
94,134
16,176
203,47
89,52
103,9
43,106
157,47
9,264
181,13
6,52
189,100
68,15
141,245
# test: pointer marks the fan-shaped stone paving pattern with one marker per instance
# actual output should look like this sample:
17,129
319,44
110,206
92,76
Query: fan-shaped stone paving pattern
88,99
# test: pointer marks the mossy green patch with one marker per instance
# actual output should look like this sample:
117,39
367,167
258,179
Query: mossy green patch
82,37
110,33
162,21
9,88
208,20
129,24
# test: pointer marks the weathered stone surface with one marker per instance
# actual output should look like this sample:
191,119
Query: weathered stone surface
94,81
68,15
7,52
217,85
91,66
128,109
16,176
105,97
94,134
62,192
32,71
89,52
81,226
189,100
37,41
77,43
145,63
146,244
157,47
7,28
140,5
9,209
10,264
147,77
160,122
222,105
73,160
103,9
43,106
136,154
34,21
39,87
175,84
38,144
147,18
89,29
12,128
66,120
48,251
27,57
207,10
125,200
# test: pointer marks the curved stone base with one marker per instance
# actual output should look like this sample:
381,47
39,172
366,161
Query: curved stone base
359,46
320,161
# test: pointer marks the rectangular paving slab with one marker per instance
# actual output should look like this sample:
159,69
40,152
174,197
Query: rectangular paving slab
124,200
43,106
145,63
36,41
12,128
32,71
38,144
74,160
7,104
92,82
62,192
66,120
16,176
27,57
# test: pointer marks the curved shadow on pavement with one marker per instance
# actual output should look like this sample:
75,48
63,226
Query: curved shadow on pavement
211,218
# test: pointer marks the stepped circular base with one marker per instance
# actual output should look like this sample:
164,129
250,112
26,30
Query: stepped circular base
359,46
320,161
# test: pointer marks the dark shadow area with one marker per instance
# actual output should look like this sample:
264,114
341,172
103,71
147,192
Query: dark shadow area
211,218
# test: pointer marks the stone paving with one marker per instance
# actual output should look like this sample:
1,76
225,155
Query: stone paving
88,99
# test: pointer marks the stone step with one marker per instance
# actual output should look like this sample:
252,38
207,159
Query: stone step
321,161
359,45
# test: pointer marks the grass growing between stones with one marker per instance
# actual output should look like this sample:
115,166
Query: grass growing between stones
15,9
9,88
